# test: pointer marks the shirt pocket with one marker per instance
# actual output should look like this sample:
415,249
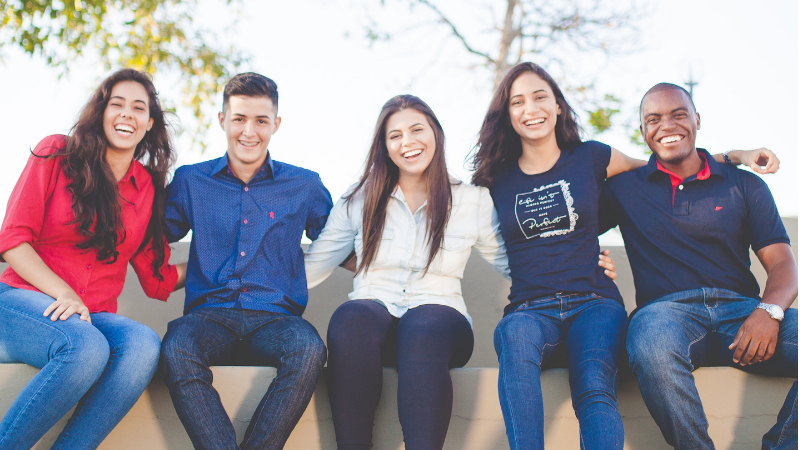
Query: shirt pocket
452,256
385,247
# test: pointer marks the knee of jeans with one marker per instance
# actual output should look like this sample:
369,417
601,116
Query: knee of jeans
653,350
307,345
146,347
87,348
175,351
516,337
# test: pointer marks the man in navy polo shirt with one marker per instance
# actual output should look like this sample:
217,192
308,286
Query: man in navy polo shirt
688,223
246,282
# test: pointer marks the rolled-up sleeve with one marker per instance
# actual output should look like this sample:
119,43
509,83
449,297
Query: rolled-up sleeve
142,263
26,206
320,207
176,213
332,246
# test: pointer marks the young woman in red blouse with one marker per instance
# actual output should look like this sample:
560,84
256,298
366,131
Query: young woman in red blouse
85,206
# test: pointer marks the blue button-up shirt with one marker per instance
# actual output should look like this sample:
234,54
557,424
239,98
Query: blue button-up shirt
245,250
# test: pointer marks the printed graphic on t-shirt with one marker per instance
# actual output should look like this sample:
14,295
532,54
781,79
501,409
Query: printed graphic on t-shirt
546,211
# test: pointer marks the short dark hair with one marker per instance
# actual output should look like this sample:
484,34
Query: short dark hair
665,87
250,84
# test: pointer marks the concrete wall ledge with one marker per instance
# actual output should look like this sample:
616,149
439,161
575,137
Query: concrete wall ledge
740,407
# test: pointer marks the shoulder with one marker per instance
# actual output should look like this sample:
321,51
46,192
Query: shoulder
626,178
51,144
288,170
464,190
201,168
593,146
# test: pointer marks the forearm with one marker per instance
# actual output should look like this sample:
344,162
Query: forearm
781,286
181,269
29,265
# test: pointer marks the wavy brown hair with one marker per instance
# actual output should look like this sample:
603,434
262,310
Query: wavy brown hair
380,179
498,143
95,195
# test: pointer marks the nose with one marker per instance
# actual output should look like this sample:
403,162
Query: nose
408,139
249,128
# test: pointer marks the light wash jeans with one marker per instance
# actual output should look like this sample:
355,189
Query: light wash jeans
103,367
676,334
592,329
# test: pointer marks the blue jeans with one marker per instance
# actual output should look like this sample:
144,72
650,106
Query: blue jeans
103,367
676,334
224,336
591,328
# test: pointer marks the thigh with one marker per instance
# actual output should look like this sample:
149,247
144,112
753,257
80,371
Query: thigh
204,334
527,335
280,335
434,332
126,335
664,329
597,334
29,337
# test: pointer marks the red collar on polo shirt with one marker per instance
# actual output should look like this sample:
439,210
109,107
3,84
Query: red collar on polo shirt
704,173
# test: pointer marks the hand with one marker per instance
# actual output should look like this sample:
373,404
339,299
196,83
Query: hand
607,263
66,305
758,158
758,335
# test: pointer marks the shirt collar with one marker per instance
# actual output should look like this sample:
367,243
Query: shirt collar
710,166
268,169
135,172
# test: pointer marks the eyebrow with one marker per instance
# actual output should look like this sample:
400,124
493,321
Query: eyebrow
682,108
518,95
123,98
262,116
412,126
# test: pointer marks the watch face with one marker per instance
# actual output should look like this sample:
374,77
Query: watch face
775,312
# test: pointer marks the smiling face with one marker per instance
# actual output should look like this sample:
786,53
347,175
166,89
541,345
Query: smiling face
410,141
532,108
127,116
669,125
249,123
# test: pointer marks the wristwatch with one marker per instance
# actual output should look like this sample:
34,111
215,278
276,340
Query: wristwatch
774,311
727,158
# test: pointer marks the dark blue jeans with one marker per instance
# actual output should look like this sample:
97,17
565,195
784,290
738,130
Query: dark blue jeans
591,329
100,368
221,336
676,334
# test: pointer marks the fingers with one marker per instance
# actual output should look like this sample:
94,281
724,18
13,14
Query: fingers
739,343
766,161
51,308
751,355
62,309
607,263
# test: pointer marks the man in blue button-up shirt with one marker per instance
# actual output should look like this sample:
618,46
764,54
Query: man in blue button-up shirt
246,283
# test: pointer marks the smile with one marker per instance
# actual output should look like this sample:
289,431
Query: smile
671,139
531,122
125,130
412,153
248,144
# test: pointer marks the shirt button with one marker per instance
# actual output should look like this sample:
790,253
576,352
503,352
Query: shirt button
82,291
241,254
88,266
680,187
244,289
246,188
245,221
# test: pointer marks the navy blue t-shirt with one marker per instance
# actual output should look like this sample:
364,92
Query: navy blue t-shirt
549,223
699,239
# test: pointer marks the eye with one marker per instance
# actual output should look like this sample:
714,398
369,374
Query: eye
541,97
394,136
680,115
417,130
262,121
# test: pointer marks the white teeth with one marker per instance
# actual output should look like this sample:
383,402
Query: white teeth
412,153
248,144
669,139
124,128
533,122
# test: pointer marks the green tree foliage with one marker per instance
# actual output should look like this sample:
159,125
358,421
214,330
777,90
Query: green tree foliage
149,35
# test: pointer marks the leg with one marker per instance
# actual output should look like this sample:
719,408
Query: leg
294,347
594,346
667,340
523,340
358,331
202,338
133,361
783,363
430,339
71,355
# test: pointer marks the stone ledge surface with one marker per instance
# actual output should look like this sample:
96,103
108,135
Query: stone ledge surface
740,408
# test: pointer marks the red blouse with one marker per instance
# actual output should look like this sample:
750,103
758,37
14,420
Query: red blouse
40,211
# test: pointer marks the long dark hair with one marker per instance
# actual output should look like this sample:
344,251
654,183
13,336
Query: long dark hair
498,143
95,195
380,180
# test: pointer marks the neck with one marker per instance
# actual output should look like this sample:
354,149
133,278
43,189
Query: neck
119,161
685,168
415,190
246,172
540,155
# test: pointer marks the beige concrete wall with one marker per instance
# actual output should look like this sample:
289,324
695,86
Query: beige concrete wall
740,407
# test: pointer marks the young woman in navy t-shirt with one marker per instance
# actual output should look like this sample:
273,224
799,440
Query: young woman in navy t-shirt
546,185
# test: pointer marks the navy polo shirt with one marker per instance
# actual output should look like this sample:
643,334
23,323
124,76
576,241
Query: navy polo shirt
549,222
699,238
245,250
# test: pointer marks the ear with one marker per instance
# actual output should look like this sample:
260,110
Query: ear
221,117
277,124
558,109
698,120
150,124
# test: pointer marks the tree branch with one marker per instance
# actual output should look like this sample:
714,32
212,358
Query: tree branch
454,30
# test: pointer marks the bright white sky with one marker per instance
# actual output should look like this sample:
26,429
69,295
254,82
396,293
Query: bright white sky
332,86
